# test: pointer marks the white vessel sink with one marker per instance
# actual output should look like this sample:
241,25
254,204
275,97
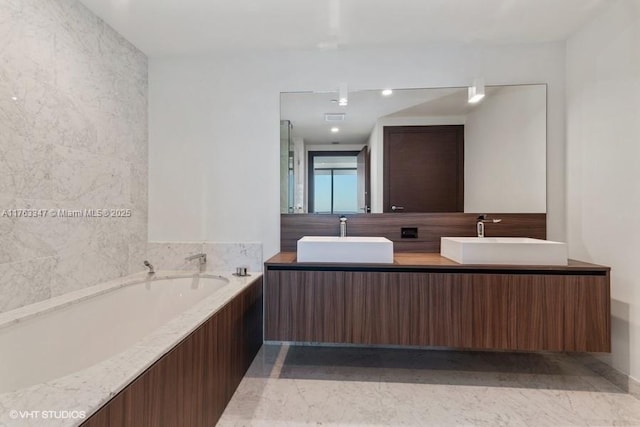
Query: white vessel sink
345,249
503,250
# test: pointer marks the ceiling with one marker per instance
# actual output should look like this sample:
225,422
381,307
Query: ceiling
182,27
306,111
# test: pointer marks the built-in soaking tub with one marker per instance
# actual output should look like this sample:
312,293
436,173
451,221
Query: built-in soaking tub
62,359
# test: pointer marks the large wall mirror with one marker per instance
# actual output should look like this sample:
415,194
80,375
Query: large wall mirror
414,150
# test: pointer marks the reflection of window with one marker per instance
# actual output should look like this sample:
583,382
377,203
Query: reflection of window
333,182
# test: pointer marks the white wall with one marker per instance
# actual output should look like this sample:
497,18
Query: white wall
503,141
213,150
603,173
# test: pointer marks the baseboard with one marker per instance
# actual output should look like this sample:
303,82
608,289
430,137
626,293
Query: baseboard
617,378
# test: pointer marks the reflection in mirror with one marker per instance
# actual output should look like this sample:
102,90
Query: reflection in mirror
499,165
333,182
286,168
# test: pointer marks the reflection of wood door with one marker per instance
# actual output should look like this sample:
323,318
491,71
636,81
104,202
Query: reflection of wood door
364,192
424,168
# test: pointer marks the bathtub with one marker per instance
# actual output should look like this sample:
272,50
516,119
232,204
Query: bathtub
89,344
76,336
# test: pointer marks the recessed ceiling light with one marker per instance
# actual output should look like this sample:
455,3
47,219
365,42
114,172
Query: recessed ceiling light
387,92
335,129
14,98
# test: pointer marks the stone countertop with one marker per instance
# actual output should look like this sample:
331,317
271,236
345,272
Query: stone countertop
87,390
419,260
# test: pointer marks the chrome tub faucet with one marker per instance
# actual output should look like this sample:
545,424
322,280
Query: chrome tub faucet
149,266
201,257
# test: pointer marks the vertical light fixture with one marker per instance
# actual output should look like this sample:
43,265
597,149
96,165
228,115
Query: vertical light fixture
333,36
476,92
334,18
343,95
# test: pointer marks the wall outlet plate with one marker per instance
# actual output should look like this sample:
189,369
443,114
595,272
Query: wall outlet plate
409,232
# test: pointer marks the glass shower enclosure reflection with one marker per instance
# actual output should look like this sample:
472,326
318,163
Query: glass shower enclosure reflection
286,169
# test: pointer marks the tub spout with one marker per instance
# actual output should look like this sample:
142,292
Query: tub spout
149,266
202,259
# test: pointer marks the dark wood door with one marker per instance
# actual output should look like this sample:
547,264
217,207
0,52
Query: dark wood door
424,168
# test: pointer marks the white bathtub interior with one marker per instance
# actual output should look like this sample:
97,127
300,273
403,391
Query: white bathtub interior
79,335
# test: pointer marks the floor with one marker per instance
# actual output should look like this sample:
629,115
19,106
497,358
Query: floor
297,385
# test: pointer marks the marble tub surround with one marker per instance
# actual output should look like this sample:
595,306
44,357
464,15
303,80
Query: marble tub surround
89,389
73,104
171,255
220,256
303,385
42,307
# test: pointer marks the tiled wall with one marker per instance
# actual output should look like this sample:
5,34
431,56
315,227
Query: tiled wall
221,257
73,135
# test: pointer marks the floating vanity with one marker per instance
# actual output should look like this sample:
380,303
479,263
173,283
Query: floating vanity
424,299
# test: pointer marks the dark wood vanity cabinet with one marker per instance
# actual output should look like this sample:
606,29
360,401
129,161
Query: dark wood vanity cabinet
561,309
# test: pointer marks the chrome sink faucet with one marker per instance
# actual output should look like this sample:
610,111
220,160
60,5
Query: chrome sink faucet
482,219
343,226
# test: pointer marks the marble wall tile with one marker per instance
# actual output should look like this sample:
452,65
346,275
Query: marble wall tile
101,257
139,190
69,272
22,237
221,257
137,252
59,119
73,112
228,256
25,162
34,57
7,230
25,282
27,169
89,181
171,255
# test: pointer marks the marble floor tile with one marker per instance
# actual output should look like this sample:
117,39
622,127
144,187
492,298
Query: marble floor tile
349,386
